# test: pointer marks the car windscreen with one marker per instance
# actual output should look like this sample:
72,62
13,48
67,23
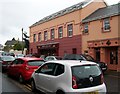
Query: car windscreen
7,58
86,71
35,62
72,57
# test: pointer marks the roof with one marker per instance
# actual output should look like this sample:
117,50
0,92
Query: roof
62,12
71,62
103,13
10,42
30,58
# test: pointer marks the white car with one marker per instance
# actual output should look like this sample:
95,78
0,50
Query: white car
65,76
48,58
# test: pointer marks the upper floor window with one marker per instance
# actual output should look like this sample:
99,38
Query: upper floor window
70,29
106,24
39,36
60,32
45,35
85,28
52,34
34,38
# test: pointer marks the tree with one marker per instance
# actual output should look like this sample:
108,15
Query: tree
18,46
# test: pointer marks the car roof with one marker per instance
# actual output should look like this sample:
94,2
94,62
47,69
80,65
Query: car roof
71,62
30,58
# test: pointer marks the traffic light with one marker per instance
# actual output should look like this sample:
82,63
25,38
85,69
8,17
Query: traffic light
26,40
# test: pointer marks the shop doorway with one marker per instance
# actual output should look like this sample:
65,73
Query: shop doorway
113,58
97,54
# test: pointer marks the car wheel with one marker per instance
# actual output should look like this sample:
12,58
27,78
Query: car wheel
60,92
33,87
21,79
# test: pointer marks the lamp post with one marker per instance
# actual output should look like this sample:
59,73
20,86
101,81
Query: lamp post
22,40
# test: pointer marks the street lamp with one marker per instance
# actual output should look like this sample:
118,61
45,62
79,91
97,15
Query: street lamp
22,40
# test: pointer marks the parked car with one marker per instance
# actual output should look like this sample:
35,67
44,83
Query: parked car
48,58
23,68
19,56
5,62
102,65
65,76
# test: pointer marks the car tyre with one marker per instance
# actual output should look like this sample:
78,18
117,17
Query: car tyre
21,79
60,92
33,87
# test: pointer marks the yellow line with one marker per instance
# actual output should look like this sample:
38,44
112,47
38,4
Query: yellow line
27,87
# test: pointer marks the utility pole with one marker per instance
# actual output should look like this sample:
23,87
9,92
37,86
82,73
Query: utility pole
22,40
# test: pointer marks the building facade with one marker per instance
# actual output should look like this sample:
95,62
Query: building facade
60,33
101,35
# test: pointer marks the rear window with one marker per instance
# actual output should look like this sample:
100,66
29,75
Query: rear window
7,58
86,71
35,62
72,57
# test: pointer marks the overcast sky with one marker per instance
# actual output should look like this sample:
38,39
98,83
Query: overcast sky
18,14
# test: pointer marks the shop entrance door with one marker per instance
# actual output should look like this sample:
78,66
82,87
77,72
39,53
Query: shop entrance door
113,58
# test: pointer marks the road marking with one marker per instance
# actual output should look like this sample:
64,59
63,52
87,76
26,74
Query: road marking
26,86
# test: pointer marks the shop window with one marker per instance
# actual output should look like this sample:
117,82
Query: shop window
106,24
34,38
114,57
45,35
60,32
70,30
39,37
52,34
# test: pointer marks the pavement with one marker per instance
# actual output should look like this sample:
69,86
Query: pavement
113,73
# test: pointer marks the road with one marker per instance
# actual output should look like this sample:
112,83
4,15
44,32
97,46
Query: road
10,85
112,81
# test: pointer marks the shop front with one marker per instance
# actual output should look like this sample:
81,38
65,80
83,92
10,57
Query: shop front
48,49
107,51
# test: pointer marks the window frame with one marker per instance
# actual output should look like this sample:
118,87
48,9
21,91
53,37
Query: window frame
60,32
70,30
39,37
45,35
106,22
52,31
34,37
86,28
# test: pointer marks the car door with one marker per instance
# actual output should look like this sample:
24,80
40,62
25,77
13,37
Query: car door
12,68
56,79
43,76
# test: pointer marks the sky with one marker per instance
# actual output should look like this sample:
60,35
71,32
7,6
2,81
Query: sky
18,14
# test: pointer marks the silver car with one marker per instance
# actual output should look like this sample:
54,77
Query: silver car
62,77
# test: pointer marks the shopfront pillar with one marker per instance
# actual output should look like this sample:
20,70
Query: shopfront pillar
118,67
102,54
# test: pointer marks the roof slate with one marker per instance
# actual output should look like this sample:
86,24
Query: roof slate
103,13
62,12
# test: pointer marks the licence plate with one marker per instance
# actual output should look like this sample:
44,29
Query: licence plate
92,92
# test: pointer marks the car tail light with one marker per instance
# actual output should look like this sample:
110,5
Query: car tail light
4,62
102,79
74,83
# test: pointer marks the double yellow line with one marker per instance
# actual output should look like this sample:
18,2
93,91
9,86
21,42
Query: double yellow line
28,87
